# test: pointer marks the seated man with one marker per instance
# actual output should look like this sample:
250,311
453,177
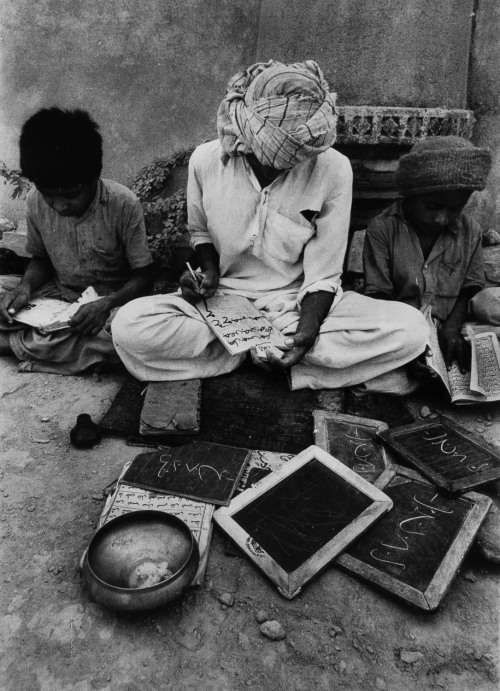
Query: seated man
268,214
82,231
423,250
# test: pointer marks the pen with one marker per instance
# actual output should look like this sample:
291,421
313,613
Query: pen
197,279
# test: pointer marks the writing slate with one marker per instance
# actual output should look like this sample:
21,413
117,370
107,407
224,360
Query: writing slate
445,453
415,550
353,441
294,519
201,470
298,518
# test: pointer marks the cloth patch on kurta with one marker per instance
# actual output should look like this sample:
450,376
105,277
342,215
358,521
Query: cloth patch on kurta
171,407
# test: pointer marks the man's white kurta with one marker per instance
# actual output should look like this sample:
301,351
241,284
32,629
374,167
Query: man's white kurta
276,244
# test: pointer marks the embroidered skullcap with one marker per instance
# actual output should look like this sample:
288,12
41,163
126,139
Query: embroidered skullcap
283,114
442,164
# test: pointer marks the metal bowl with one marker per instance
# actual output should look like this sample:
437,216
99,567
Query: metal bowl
141,560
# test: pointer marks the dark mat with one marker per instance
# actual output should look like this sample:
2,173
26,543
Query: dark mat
379,406
122,419
248,407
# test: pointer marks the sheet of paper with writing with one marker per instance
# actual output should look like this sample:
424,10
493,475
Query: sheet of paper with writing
237,324
482,383
485,370
415,550
479,385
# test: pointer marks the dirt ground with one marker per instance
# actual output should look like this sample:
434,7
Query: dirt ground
340,633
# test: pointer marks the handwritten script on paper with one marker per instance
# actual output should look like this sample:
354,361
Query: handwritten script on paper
237,324
485,373
197,515
482,382
410,541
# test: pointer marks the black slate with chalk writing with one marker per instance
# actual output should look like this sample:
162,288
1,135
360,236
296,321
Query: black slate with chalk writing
415,550
351,439
445,452
201,470
409,542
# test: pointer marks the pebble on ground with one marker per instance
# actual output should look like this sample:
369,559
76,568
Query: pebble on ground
273,630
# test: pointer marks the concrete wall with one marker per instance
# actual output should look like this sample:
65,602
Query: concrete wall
484,99
376,52
152,73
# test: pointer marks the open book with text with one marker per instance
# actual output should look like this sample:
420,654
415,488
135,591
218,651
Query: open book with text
482,383
49,314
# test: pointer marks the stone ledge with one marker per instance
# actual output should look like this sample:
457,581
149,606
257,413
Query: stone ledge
400,126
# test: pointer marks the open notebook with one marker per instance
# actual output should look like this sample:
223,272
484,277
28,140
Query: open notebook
49,314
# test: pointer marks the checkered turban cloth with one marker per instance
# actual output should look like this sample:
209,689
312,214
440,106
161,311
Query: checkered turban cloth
283,114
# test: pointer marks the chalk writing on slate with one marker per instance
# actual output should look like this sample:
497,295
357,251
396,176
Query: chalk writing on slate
201,470
446,453
352,441
415,550
296,520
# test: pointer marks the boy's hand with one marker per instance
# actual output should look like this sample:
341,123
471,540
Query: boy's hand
12,301
454,347
205,287
298,346
91,318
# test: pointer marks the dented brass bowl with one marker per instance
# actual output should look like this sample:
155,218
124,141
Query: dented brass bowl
140,561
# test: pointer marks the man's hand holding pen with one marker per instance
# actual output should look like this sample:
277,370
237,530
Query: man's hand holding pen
198,285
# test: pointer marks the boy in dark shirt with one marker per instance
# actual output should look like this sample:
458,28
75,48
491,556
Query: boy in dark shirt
82,231
424,250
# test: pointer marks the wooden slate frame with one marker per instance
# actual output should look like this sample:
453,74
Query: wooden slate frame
323,440
430,598
394,439
290,583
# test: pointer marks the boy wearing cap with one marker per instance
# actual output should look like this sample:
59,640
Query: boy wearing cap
423,250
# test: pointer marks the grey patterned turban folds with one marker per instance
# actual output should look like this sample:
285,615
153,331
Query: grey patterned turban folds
283,114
